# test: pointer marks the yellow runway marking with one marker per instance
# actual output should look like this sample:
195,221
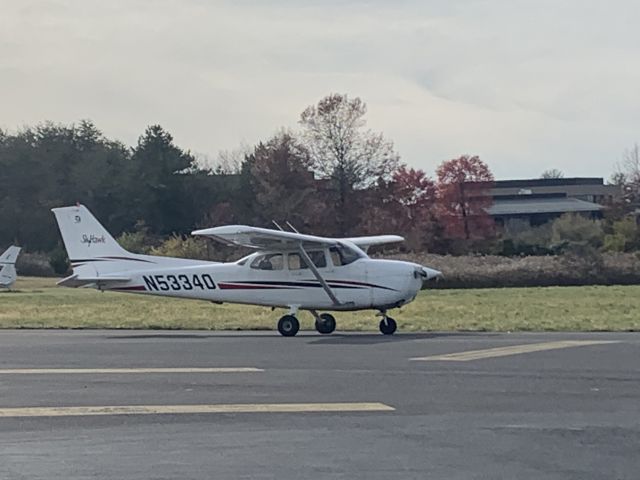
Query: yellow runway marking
73,371
187,409
512,350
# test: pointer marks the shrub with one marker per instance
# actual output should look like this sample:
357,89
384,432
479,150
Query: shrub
59,261
189,247
135,242
614,242
475,271
625,236
571,229
34,264
520,238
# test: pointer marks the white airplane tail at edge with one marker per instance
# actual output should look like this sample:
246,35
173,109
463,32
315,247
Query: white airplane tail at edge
8,260
96,256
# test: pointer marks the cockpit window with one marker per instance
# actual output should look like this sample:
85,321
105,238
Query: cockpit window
317,257
343,255
271,261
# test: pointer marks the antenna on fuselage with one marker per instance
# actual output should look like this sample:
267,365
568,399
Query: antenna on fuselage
276,224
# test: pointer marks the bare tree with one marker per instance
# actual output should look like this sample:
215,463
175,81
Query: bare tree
552,173
631,164
230,161
343,151
628,175
227,162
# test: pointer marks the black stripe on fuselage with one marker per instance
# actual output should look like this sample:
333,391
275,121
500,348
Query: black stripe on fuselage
361,284
314,284
108,259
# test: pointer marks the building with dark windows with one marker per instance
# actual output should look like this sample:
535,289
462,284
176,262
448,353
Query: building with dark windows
537,201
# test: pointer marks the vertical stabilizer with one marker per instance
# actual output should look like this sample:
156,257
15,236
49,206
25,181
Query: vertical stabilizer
84,237
10,256
8,266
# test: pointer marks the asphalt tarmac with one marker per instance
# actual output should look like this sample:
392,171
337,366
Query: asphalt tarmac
199,405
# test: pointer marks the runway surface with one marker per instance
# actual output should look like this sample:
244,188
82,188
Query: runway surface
199,405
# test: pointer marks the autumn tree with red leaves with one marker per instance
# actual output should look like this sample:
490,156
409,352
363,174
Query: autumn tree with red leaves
404,205
463,198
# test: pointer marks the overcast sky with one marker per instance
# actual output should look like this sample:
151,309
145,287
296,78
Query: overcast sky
527,85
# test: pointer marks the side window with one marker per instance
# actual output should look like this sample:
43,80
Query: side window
317,257
295,262
343,256
271,261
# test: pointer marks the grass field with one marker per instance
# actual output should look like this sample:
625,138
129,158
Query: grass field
38,303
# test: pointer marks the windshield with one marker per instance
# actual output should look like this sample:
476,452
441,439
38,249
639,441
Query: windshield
243,260
345,254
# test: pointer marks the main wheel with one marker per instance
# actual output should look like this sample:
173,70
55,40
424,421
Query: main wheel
388,326
288,326
325,324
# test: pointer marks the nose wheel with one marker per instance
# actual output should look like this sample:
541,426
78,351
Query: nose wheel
288,326
388,325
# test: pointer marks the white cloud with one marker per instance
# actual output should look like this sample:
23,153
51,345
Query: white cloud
527,85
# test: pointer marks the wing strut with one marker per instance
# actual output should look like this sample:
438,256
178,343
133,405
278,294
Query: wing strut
315,271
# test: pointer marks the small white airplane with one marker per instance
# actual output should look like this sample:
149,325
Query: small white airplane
8,273
288,270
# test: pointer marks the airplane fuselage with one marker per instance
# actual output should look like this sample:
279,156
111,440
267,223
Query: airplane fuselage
363,284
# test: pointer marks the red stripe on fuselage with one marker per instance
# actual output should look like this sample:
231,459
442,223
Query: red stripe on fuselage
241,286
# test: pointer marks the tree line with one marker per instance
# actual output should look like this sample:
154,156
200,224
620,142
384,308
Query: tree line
333,177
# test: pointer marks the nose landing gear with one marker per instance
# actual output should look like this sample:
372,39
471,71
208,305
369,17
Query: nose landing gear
388,325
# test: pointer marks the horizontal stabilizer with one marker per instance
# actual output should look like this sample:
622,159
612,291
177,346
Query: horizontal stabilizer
77,281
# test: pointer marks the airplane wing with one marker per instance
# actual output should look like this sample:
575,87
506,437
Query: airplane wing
78,281
366,242
263,238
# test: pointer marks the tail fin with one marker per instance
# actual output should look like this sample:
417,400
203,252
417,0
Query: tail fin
84,237
7,266
10,256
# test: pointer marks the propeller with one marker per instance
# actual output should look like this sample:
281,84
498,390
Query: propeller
427,273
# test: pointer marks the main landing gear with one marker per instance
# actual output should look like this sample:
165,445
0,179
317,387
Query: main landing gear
288,326
325,324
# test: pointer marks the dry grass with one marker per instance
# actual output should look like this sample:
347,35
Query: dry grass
38,303
486,271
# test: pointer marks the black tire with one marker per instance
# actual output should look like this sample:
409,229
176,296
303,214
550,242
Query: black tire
326,324
388,326
288,326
